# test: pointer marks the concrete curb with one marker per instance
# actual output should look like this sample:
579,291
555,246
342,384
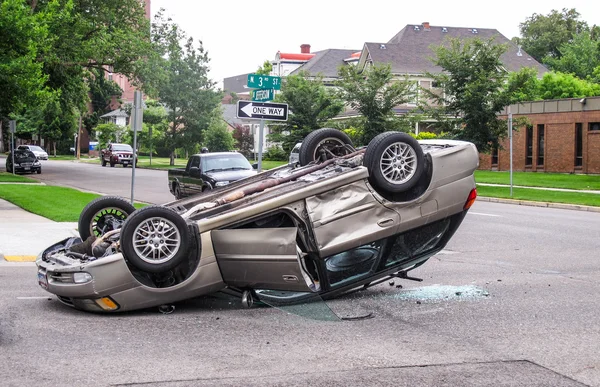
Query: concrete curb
562,206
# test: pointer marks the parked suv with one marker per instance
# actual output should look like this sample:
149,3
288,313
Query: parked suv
117,154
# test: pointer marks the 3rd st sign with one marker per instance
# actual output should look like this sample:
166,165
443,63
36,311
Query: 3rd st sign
262,110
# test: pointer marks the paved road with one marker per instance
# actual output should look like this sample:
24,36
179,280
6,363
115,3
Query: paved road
513,300
151,185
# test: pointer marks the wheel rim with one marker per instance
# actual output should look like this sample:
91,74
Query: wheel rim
107,219
327,143
156,240
398,163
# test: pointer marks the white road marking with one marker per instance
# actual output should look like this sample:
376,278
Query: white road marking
449,252
482,214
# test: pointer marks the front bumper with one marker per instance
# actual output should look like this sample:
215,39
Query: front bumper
27,169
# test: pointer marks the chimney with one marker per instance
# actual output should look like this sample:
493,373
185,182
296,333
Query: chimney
426,26
305,48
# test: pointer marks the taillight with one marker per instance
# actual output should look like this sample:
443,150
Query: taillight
470,199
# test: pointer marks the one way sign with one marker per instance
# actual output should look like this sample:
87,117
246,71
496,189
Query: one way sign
262,110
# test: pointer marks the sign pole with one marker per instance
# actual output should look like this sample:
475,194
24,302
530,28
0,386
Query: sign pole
137,125
13,127
260,143
510,139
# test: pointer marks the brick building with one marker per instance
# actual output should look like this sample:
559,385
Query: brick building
561,136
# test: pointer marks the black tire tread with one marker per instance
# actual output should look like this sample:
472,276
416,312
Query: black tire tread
127,237
316,136
371,161
97,204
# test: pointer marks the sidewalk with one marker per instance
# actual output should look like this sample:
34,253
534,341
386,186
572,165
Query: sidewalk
24,235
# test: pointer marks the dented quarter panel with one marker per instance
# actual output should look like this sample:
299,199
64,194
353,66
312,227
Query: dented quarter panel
349,216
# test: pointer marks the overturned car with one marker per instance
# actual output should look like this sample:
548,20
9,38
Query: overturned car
341,220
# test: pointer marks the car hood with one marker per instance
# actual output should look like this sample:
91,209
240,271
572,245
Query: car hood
231,175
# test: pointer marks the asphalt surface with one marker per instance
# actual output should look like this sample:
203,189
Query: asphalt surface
512,300
151,186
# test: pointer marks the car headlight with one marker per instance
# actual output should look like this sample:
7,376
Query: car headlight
37,163
221,183
82,277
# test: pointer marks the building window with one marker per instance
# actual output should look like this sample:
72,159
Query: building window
529,145
578,144
594,126
540,145
495,157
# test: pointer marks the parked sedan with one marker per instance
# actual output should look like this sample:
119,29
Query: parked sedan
25,162
342,219
39,152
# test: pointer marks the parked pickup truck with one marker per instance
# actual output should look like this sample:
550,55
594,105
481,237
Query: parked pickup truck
206,171
117,154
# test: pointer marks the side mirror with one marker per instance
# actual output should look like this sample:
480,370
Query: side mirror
194,170
255,165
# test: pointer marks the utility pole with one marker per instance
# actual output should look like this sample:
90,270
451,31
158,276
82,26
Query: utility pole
78,148
13,128
510,139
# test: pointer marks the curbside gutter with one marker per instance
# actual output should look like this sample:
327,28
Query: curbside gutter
563,206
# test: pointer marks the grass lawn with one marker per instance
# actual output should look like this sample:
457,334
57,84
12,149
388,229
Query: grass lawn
537,179
49,201
160,162
267,164
6,177
538,195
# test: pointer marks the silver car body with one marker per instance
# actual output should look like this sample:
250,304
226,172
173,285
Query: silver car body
325,214
39,152
295,154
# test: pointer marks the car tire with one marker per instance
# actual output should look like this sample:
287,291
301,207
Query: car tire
395,161
39,171
326,138
155,239
112,165
102,215
103,162
177,191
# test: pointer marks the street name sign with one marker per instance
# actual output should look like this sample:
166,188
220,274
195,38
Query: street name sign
256,81
263,95
262,110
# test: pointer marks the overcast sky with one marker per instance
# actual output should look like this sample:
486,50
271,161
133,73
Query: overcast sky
240,35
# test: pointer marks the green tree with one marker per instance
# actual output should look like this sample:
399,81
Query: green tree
23,40
218,138
523,85
474,91
542,36
310,104
107,133
374,94
578,57
59,47
182,84
555,85
265,69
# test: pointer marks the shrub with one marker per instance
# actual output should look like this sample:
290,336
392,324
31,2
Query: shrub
275,153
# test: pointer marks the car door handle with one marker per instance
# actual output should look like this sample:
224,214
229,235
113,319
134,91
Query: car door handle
385,222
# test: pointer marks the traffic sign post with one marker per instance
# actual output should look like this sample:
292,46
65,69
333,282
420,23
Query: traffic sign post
136,125
257,81
257,110
262,110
